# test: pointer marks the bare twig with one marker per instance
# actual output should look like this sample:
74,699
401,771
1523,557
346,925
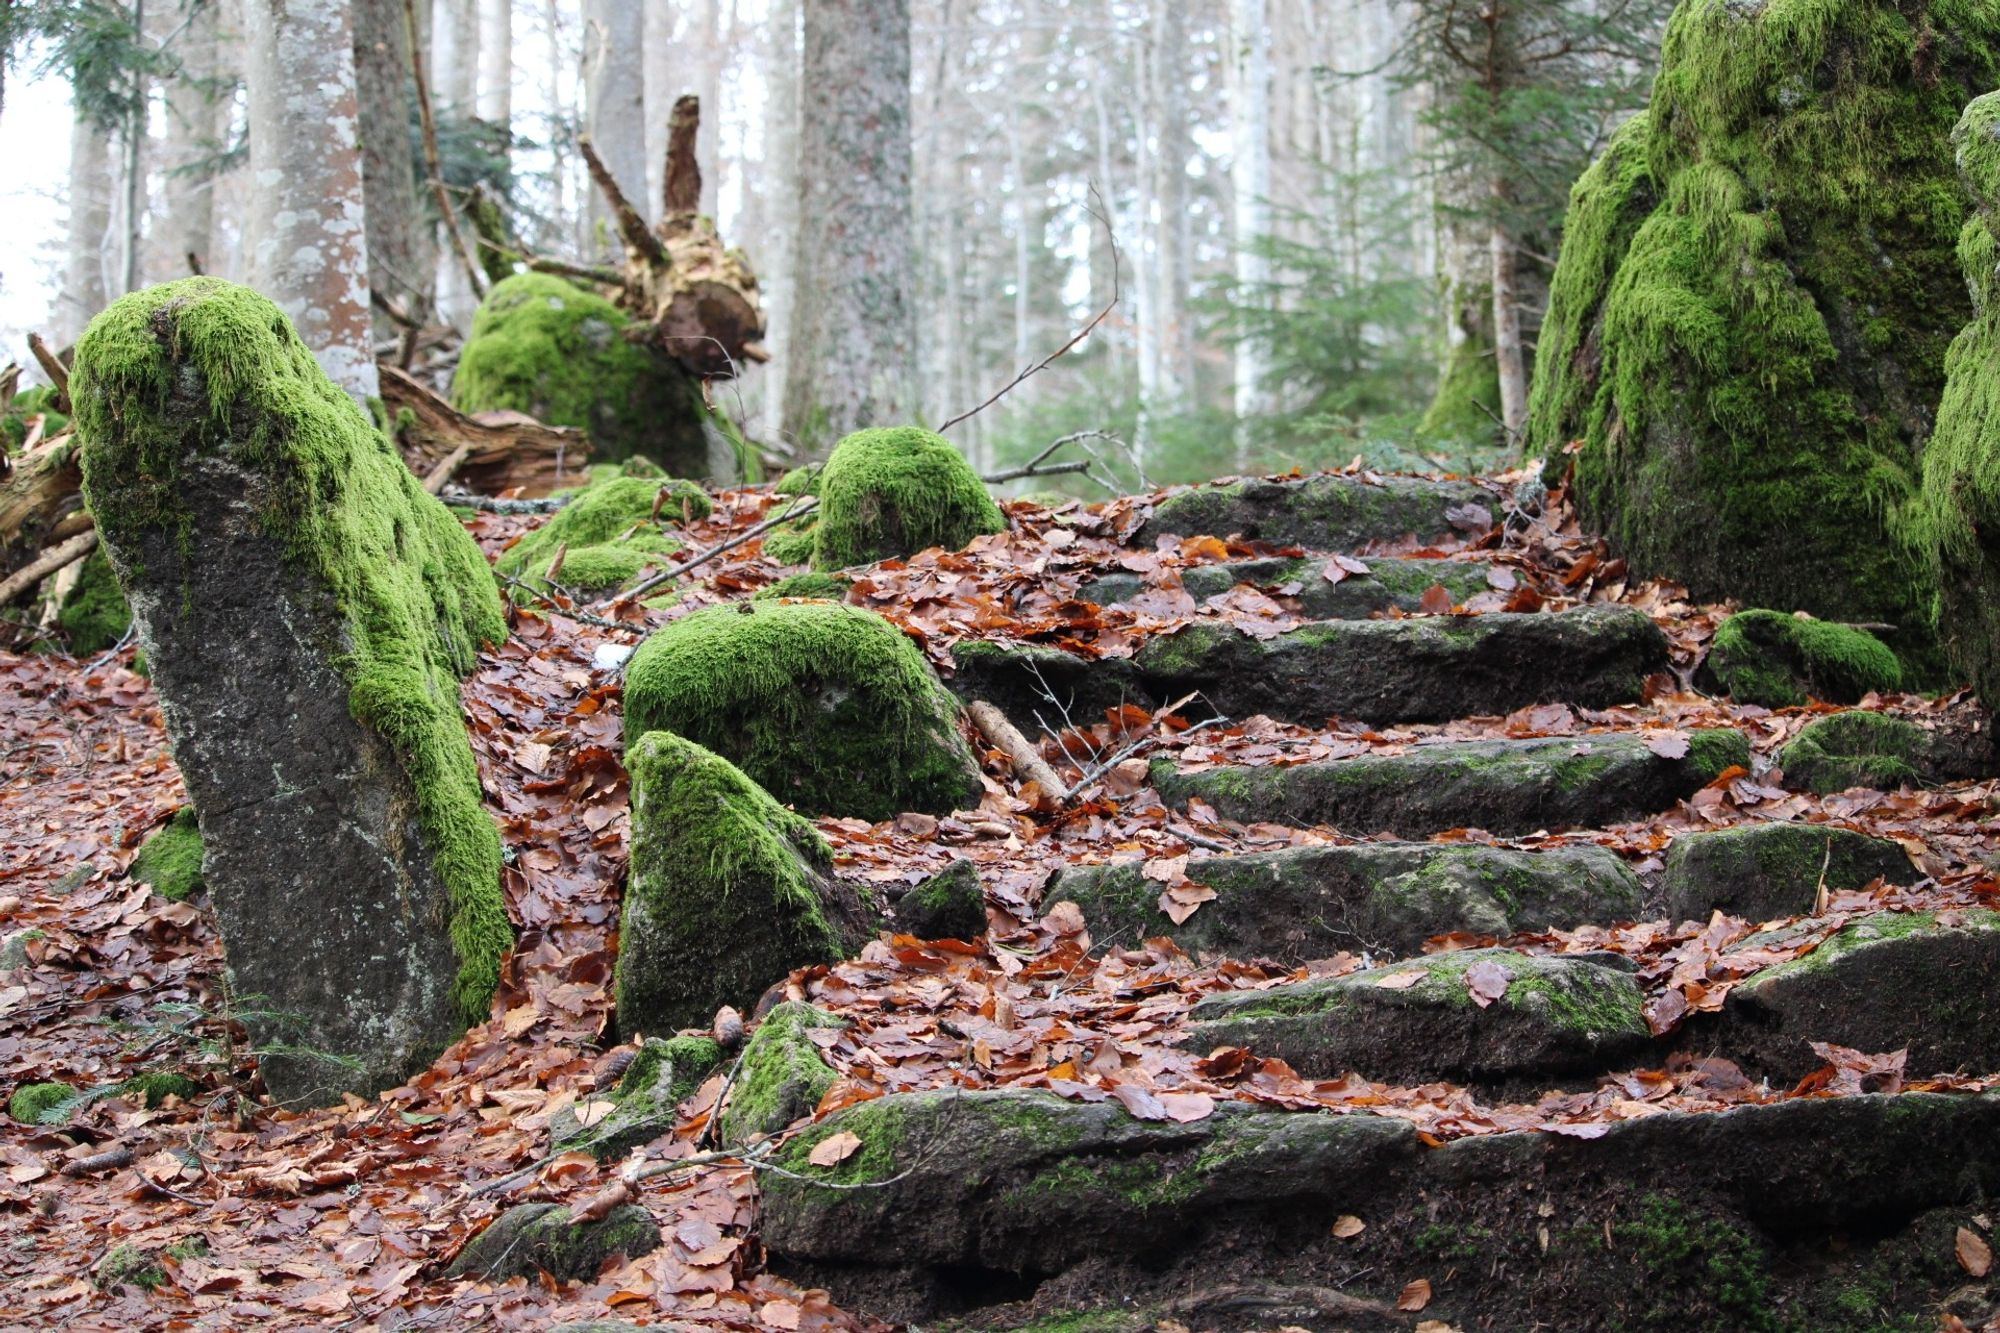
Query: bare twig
1098,770
557,608
53,367
610,277
803,505
432,161
638,236
1041,470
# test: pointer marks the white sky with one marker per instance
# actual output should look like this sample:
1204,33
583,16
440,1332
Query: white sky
34,143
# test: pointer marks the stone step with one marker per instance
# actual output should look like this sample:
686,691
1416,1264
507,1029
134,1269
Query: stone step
1870,749
974,1204
1479,1016
1388,584
1312,902
1505,787
1762,871
1325,513
1424,669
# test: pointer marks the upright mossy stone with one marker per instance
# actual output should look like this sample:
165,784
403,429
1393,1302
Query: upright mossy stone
1748,323
894,492
95,615
728,891
306,610
1780,661
609,533
1960,513
557,352
1865,749
830,708
783,1075
1761,871
170,860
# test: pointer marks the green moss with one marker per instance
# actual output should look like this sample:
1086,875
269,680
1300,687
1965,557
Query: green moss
830,707
126,1265
799,481
1466,408
1749,319
1712,753
879,1124
154,1088
546,347
170,860
95,615
783,1075
608,533
1780,661
820,587
1879,928
37,401
32,1101
895,492
416,594
792,543
1855,749
1684,1253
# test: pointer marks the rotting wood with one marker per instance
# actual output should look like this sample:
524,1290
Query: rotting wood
48,562
504,450
1020,751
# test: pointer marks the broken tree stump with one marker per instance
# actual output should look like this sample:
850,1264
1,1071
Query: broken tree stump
504,450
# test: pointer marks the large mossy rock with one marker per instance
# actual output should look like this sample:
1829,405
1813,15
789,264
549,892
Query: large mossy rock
307,611
1961,491
1761,871
1748,323
729,891
783,1074
1331,512
1867,749
549,348
896,491
1781,661
830,708
606,535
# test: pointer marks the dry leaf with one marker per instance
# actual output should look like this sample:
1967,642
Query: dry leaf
1065,918
1400,980
780,1314
1347,1226
1487,981
1975,1256
1415,1296
1436,600
834,1149
519,1019
1668,744
1181,901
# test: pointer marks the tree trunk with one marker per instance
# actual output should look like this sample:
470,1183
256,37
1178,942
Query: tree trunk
776,242
1509,358
400,258
709,58
614,76
308,247
1166,67
1250,182
454,56
495,97
187,216
855,336
662,88
84,288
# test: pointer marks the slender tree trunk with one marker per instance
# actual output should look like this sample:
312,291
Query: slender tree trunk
1509,357
614,72
401,262
494,96
662,87
1024,344
454,56
1104,278
309,246
1250,181
84,291
1165,66
132,170
855,358
710,58
187,216
776,244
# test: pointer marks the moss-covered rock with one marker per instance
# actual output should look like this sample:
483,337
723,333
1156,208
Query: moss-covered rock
894,492
1960,512
609,533
306,610
1420,1020
38,401
714,858
949,905
549,348
129,1265
1331,512
812,586
95,615
1867,749
32,1101
646,1102
1781,661
1389,583
152,1089
1465,411
539,1237
1760,871
170,860
830,708
783,1075
1748,323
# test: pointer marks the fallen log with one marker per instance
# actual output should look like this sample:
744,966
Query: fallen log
1020,751
56,558
495,451
38,499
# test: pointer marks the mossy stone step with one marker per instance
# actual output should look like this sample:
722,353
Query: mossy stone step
1505,787
1917,981
1312,902
974,1199
1760,871
1388,584
1325,513
1869,749
1425,669
1421,1020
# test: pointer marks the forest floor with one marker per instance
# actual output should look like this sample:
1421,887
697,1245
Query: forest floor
346,1217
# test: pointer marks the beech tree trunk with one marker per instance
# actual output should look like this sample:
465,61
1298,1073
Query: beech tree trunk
400,258
454,56
309,247
1250,180
854,338
614,78
496,61
1509,358
187,218
84,291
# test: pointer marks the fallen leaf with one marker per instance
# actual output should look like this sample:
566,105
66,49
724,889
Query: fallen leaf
1065,918
519,1020
780,1314
1668,744
1187,1106
1436,600
834,1149
1400,980
1347,1226
1181,901
1415,1296
1975,1256
1487,982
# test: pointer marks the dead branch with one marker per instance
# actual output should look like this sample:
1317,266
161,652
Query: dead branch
447,468
48,562
53,367
641,246
608,277
1020,752
493,504
1038,470
503,450
682,190
432,161
109,1160
37,497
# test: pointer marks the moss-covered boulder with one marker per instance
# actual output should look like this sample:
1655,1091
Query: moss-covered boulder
170,860
783,1075
549,348
896,491
1781,661
729,891
1757,285
811,586
95,616
1867,749
830,708
1474,1015
540,1238
307,611
1960,512
609,533
1761,871
948,905
644,1105
791,542
33,1103
1398,584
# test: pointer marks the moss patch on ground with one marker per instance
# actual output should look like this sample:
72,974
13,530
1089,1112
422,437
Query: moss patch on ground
31,1101
812,585
894,492
1781,661
831,708
416,595
608,534
170,860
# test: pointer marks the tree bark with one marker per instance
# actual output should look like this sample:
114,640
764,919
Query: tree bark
1166,67
84,287
1509,357
614,76
454,56
309,246
1250,182
187,217
775,241
495,97
400,258
504,450
662,89
854,360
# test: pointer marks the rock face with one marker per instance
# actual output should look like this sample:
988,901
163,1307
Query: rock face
1504,787
1427,1019
1388,584
1324,513
306,610
1960,512
895,492
831,708
1780,661
1749,341
1312,902
716,862
1761,871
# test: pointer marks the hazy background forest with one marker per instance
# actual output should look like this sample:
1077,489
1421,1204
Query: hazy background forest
1301,206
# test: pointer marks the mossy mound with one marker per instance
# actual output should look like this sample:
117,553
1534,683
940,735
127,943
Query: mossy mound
150,1090
31,1101
1748,324
1465,412
95,614
811,585
608,534
549,348
1781,661
791,542
949,905
831,708
129,1265
34,402
1857,749
894,492
715,859
1960,513
170,860
783,1075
